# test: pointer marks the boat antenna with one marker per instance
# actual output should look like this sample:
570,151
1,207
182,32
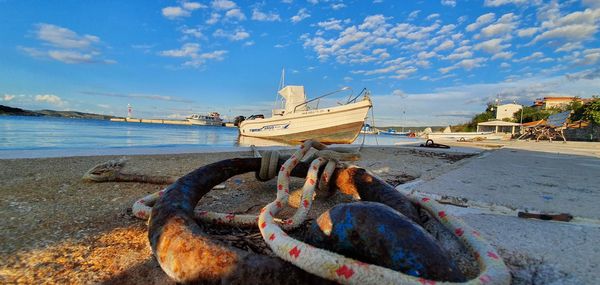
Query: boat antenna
281,84
282,80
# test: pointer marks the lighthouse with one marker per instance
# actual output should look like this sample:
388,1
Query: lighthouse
129,111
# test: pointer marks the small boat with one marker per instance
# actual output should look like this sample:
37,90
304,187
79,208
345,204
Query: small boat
392,132
298,121
212,119
367,129
447,134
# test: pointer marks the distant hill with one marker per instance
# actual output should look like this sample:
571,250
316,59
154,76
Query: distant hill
10,111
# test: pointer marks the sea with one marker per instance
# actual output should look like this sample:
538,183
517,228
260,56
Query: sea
35,137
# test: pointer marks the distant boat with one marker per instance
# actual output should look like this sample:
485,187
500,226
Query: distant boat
367,129
298,122
449,135
392,132
212,119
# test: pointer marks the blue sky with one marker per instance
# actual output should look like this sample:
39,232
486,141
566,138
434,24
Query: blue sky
436,62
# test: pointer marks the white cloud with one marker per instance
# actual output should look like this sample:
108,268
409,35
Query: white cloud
218,55
446,29
175,12
301,15
481,20
68,56
591,3
413,14
50,99
504,25
496,3
503,55
191,6
570,32
191,51
569,47
533,56
459,55
8,97
223,4
237,35
235,14
192,32
338,6
448,44
471,63
64,38
433,16
67,46
214,18
451,3
331,24
426,55
399,93
372,22
268,17
187,50
527,32
591,56
491,46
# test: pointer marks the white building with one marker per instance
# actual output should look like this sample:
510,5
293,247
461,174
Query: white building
498,127
507,111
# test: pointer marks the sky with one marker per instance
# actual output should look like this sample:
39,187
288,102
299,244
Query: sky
424,62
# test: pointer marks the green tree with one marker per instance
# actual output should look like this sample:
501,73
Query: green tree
531,114
591,110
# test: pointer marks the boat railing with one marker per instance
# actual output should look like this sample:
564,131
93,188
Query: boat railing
353,100
322,96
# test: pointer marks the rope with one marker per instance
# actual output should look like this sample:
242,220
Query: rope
328,264
345,270
143,207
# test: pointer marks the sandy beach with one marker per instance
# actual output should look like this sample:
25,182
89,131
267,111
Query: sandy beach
58,229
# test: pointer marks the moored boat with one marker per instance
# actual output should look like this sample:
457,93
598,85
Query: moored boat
393,132
297,122
367,129
212,119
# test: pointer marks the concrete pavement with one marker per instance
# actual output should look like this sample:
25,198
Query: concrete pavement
535,177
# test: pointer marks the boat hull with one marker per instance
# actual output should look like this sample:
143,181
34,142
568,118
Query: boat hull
465,135
321,124
204,123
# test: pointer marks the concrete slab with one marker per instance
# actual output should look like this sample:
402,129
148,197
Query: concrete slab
528,180
545,177
543,252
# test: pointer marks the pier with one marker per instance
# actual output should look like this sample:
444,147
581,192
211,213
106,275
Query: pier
151,121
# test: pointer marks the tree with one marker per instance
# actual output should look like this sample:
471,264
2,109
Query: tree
531,114
592,110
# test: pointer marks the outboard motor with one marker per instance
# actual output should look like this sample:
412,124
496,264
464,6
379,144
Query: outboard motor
238,120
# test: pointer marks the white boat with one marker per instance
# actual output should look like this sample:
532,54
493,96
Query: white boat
447,134
212,119
393,132
298,122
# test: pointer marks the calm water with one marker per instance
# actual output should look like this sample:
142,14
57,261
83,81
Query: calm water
39,135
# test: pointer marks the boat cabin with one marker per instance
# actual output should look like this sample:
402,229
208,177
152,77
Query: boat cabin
294,100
